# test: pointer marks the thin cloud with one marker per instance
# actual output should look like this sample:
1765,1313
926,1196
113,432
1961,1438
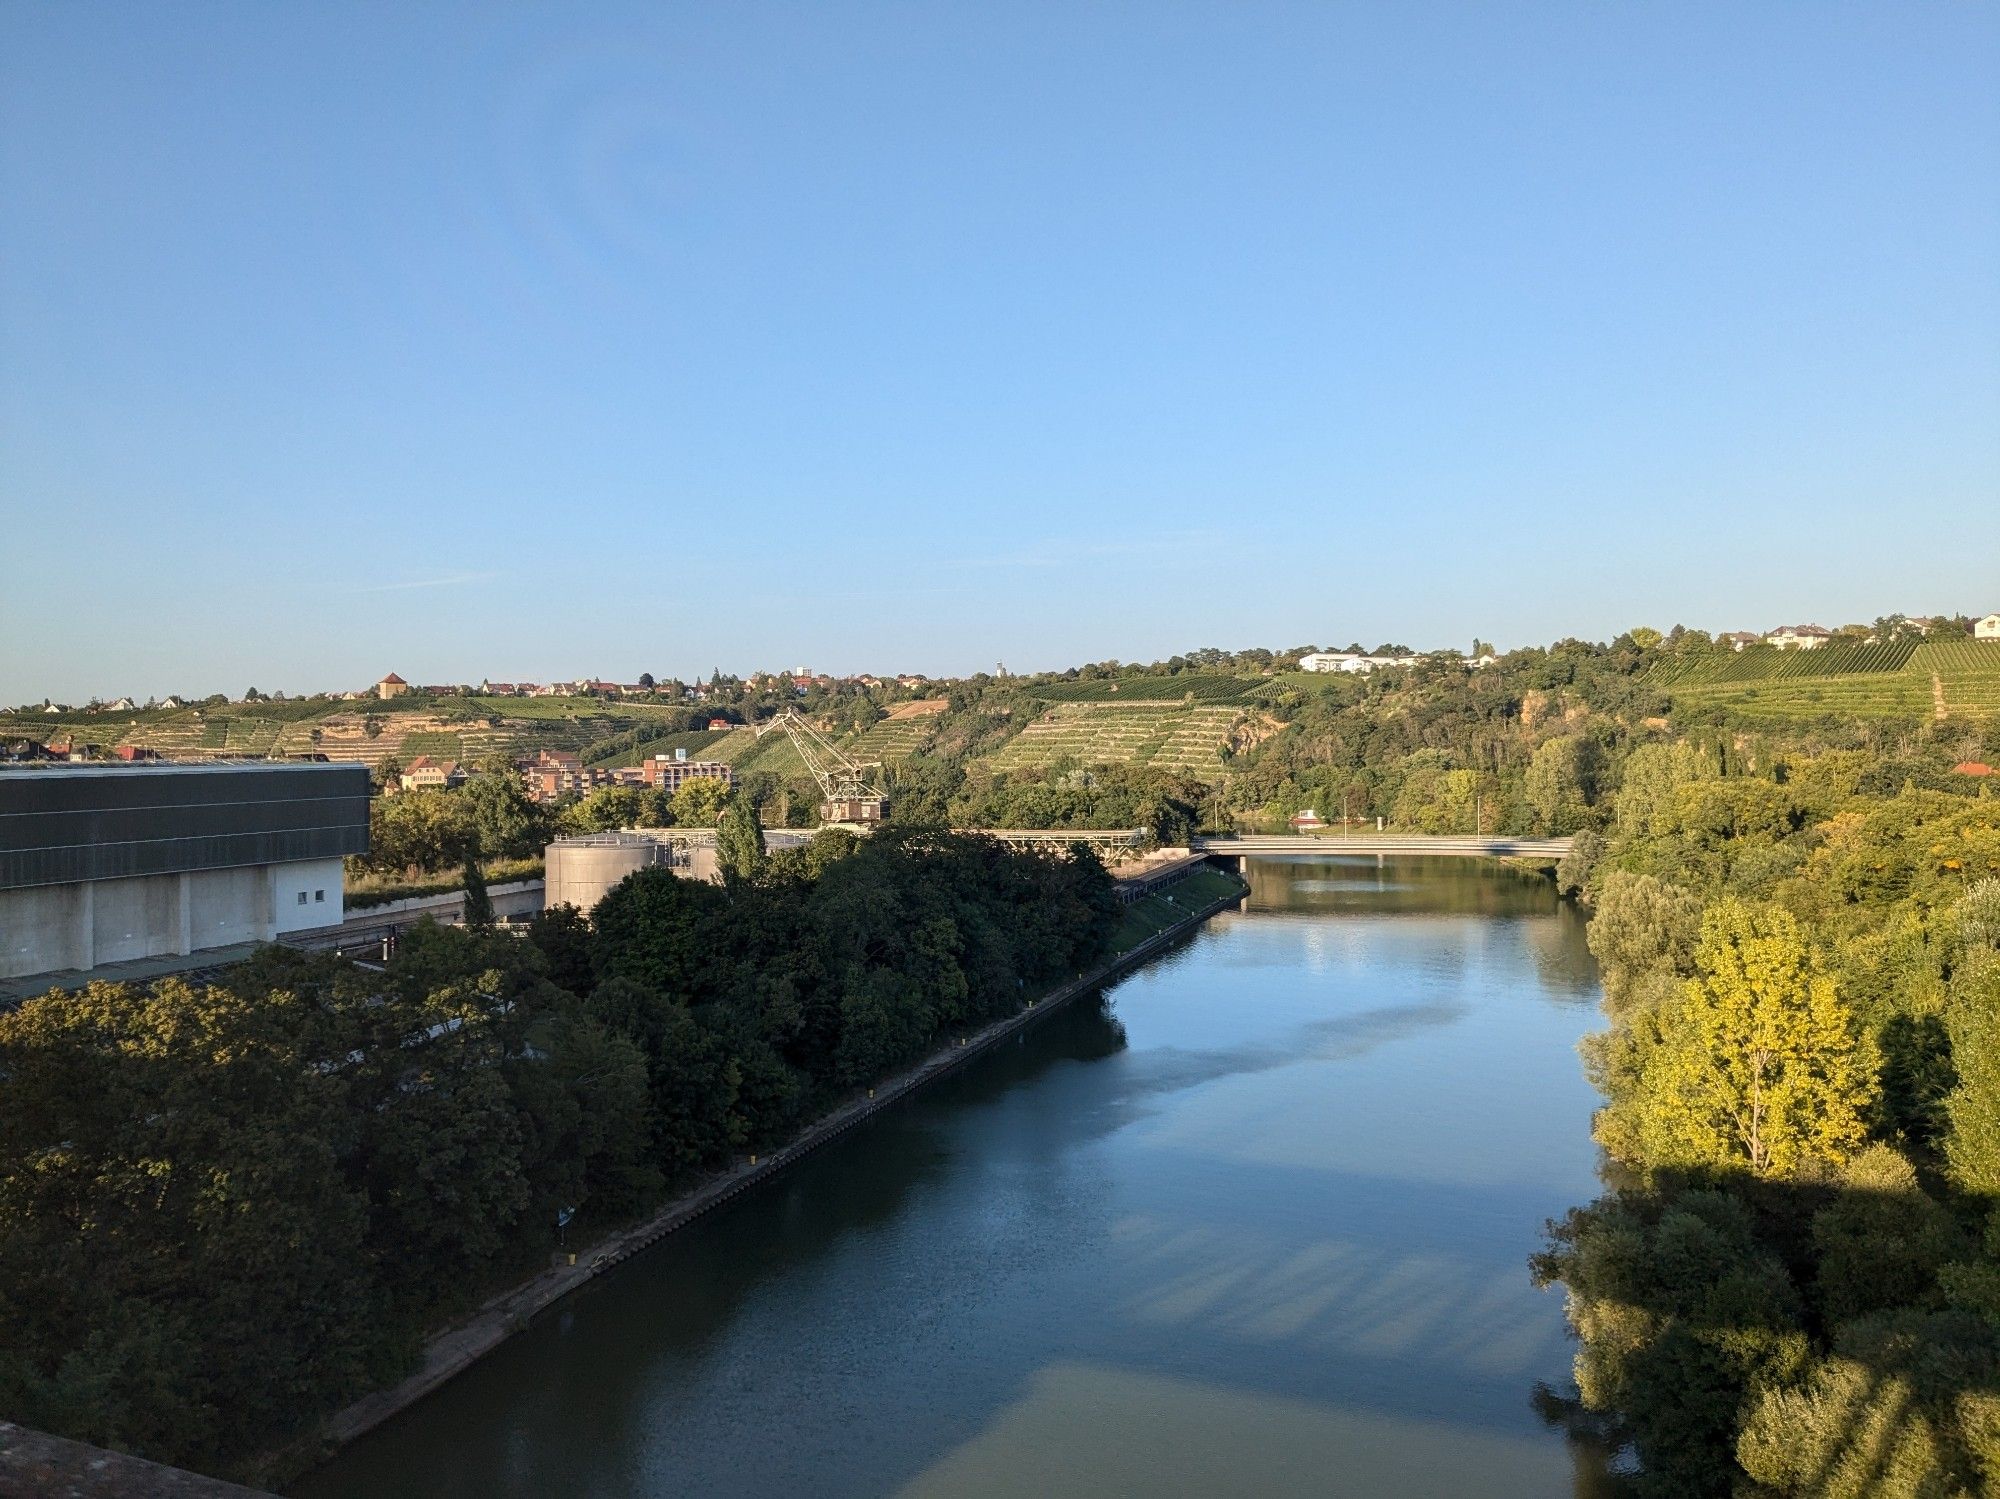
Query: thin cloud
450,581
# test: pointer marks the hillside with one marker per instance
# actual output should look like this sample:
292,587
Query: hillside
1166,736
1932,679
456,728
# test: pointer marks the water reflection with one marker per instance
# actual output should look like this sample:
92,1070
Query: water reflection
1256,1224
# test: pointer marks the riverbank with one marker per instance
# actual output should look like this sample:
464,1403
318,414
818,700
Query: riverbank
1148,926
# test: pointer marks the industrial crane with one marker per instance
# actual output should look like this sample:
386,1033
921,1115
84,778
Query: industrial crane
843,782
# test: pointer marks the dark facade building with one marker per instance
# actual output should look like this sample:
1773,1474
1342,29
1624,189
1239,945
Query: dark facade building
100,864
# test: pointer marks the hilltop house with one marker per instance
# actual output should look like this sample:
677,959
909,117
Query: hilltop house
391,686
1987,628
1799,637
1349,661
1740,640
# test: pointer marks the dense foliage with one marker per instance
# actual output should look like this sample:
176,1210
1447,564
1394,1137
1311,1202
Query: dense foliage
226,1209
1794,1287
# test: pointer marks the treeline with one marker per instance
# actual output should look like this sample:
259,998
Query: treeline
1794,1286
412,833
225,1210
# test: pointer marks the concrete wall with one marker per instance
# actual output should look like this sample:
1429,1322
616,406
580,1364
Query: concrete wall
139,918
306,894
44,928
226,906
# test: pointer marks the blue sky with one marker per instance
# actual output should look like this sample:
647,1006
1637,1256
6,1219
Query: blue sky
528,341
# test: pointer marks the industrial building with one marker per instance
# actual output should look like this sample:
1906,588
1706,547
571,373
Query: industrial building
581,871
106,863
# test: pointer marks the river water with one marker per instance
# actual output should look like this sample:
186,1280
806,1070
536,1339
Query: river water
1257,1223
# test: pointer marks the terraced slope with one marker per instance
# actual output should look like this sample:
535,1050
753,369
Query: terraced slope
1168,735
464,729
1968,671
1190,687
1955,678
893,738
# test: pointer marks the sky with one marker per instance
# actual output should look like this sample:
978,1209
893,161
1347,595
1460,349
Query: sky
536,341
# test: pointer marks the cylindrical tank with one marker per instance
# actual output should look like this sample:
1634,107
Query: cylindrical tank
580,872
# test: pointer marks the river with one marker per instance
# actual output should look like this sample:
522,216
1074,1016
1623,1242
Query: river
1256,1223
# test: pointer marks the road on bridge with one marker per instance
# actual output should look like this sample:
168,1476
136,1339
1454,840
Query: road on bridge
1456,845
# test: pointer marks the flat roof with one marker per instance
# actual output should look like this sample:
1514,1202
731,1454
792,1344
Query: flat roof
45,768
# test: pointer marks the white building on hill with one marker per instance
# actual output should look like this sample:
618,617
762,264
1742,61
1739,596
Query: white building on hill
1799,637
1349,661
1987,628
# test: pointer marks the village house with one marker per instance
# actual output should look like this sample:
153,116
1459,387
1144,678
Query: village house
391,686
1987,628
426,774
1740,640
1799,637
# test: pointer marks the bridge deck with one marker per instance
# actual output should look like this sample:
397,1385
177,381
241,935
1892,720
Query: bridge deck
1313,844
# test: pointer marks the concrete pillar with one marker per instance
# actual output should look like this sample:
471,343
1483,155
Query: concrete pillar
184,911
85,943
269,932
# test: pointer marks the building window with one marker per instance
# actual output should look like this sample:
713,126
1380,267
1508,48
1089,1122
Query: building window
319,897
302,897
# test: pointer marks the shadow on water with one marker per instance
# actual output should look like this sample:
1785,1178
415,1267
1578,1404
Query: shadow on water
1124,1217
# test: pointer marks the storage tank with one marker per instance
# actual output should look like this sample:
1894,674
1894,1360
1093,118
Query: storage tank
581,871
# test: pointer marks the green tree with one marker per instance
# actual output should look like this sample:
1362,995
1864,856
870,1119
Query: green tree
1758,1062
1972,1019
1643,933
1903,1408
1561,783
739,841
1881,1241
501,818
700,800
562,935
478,904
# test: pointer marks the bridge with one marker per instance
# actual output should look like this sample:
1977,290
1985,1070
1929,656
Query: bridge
1314,845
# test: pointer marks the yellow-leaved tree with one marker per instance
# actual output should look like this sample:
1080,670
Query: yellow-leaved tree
1758,1062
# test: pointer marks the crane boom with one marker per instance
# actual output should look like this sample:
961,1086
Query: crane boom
843,780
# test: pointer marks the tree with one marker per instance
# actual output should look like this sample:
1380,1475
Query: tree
1901,1409
1881,1241
504,822
739,841
562,934
1758,1062
478,904
1642,928
646,680
1577,868
1972,1019
1561,783
699,802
